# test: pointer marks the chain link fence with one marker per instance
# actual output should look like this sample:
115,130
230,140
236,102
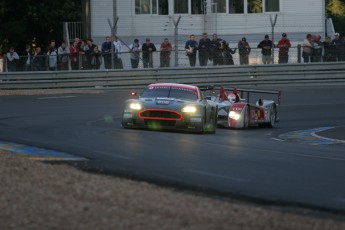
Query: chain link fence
82,62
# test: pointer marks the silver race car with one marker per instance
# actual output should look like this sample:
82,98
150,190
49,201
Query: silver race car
171,106
236,112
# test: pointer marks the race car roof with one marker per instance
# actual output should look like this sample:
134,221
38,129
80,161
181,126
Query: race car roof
174,85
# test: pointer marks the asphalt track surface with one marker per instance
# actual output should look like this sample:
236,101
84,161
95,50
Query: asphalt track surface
299,162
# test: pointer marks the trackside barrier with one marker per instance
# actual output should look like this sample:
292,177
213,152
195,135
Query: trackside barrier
219,75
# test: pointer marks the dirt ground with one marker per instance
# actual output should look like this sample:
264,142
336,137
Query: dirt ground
37,195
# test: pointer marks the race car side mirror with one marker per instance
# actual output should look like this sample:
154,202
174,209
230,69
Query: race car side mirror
133,94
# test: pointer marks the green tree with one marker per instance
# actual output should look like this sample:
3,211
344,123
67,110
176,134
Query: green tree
335,8
22,21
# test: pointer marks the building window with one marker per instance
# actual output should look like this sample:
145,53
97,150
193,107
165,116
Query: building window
236,6
254,6
218,6
142,6
160,7
272,5
163,7
181,6
198,6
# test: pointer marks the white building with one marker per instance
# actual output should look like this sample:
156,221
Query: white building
231,19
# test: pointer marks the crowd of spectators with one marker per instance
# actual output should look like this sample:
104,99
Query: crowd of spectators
85,55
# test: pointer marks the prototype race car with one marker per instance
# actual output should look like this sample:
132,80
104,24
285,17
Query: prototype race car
236,112
171,106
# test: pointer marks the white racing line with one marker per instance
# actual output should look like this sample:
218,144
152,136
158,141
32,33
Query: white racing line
56,97
309,136
216,175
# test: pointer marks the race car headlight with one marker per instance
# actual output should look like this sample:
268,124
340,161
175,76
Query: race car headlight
135,106
189,109
234,115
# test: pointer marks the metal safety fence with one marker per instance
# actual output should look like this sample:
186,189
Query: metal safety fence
99,61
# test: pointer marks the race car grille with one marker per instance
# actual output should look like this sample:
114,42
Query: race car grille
160,114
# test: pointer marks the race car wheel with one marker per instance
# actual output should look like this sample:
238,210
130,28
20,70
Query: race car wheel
273,116
246,117
212,125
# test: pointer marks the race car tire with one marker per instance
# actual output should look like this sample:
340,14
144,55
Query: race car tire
212,125
273,116
246,117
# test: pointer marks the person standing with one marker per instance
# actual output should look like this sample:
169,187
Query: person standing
63,53
148,48
26,59
339,47
117,52
38,60
52,55
191,47
328,54
216,50
266,50
227,53
284,46
74,55
88,52
12,59
96,58
244,51
204,49
106,52
307,48
165,49
135,49
317,49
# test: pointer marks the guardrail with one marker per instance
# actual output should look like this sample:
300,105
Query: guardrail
219,75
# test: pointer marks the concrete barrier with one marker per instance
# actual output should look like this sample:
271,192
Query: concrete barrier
219,75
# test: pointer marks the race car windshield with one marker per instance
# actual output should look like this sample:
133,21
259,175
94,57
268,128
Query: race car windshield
170,92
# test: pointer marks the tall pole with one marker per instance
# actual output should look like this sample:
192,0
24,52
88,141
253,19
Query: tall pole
273,24
176,39
112,29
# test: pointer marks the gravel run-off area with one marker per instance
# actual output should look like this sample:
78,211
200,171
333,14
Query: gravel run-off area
38,195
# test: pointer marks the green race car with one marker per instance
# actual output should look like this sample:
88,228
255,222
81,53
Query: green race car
171,106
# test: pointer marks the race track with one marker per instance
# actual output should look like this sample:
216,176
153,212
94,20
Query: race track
278,165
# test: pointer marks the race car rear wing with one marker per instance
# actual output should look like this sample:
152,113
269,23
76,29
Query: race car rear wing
245,92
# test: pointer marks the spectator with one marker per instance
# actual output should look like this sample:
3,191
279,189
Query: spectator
216,50
38,60
204,49
135,49
244,51
266,46
148,48
63,53
339,47
117,52
191,47
328,55
83,49
96,58
52,58
106,52
317,49
284,46
165,49
12,59
74,55
26,58
88,52
307,48
227,53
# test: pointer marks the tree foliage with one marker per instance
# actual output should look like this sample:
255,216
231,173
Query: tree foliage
22,21
335,8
